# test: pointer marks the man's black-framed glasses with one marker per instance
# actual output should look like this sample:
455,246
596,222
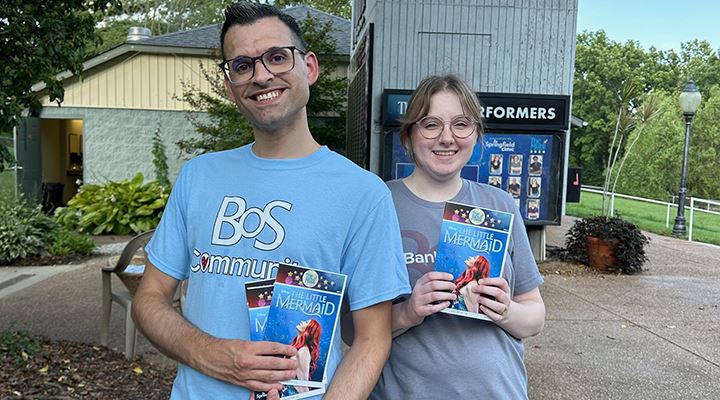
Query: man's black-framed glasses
277,60
460,126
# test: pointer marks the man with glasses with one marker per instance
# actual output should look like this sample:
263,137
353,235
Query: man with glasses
233,215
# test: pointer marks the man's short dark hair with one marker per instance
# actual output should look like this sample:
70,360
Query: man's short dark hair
246,13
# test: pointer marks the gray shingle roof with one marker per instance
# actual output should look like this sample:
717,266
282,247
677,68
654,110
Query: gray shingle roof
208,37
205,37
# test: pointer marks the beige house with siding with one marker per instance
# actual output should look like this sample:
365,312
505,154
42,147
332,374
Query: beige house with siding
104,128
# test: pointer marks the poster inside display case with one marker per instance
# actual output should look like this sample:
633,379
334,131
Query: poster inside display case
526,165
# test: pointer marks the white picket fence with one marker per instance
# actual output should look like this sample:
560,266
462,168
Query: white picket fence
691,209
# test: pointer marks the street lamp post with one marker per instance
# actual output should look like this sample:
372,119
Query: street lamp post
689,102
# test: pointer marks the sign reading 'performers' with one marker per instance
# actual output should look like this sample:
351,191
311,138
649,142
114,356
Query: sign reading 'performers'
500,110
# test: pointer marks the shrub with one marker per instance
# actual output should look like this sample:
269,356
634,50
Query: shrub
115,207
24,229
631,247
67,243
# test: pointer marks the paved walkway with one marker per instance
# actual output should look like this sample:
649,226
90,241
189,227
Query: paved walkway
63,302
655,335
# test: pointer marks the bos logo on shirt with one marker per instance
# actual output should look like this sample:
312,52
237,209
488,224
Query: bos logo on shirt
236,221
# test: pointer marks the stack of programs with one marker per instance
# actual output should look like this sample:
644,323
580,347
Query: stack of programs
300,307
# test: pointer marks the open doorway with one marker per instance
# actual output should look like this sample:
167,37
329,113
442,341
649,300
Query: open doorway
62,160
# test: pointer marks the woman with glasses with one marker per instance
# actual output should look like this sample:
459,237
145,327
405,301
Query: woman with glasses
437,355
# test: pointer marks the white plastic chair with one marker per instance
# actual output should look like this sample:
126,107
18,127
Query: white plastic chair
123,296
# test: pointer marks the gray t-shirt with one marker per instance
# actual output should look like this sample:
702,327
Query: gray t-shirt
448,356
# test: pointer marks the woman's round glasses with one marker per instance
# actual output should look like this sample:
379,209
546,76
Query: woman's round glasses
277,60
432,127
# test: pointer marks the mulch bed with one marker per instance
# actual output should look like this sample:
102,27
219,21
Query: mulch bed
70,370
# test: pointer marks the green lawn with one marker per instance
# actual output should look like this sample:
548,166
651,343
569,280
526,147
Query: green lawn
7,178
650,217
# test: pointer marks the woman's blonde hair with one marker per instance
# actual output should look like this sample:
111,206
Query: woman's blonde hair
419,105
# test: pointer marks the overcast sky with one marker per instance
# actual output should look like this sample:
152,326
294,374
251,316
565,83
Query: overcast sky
660,23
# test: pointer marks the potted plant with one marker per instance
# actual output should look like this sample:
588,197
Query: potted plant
607,243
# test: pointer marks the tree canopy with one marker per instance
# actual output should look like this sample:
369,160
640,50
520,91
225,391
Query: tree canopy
160,16
603,70
167,16
340,8
39,39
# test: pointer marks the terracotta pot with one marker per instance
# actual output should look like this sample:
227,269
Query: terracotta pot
600,252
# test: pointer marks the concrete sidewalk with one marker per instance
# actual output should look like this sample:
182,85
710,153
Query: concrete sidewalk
655,335
63,302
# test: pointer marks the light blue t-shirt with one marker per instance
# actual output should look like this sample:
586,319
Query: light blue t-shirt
232,216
